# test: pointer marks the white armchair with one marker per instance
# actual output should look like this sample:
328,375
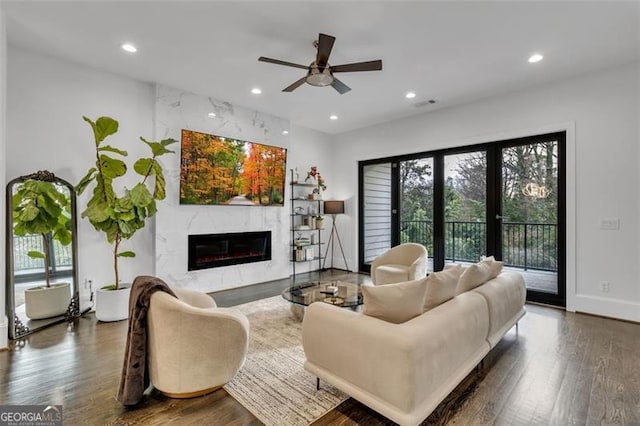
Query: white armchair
404,262
193,346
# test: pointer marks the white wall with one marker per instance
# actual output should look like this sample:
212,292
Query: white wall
3,157
312,148
46,100
603,168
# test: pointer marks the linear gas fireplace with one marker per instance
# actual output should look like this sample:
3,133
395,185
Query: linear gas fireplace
215,250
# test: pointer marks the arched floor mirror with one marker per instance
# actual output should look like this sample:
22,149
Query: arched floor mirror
41,253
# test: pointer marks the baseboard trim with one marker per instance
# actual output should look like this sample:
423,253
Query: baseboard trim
609,308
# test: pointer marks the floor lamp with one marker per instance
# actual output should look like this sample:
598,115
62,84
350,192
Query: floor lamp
334,208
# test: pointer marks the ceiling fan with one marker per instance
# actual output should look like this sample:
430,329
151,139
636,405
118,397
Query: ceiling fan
320,73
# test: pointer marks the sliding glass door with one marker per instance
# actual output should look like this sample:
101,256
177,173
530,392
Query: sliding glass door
504,199
531,213
465,206
416,203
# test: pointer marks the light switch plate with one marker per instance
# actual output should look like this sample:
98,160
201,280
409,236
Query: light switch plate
610,223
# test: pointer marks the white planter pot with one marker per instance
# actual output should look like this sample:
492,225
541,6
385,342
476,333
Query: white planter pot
46,302
113,305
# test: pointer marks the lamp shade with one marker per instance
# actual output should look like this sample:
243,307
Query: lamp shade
333,207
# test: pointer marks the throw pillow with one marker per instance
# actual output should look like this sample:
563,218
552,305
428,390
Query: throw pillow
395,303
494,265
454,265
441,286
473,276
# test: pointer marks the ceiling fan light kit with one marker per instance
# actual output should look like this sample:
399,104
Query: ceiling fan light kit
319,78
319,72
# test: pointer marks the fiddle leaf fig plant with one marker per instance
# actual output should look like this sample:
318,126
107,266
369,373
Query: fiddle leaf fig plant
42,208
119,217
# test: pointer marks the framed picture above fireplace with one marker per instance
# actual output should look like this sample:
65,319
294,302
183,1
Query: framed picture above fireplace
215,170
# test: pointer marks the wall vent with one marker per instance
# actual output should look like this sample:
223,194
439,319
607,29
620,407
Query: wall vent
424,103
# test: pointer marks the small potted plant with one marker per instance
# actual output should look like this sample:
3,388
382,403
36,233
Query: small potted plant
119,217
319,222
43,208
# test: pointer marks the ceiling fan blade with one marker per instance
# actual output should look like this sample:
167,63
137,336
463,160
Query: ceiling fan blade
340,86
295,85
358,66
279,62
325,44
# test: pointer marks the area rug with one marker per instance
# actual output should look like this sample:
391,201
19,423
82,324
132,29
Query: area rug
273,384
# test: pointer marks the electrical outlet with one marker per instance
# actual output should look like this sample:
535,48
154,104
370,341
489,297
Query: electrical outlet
604,286
610,223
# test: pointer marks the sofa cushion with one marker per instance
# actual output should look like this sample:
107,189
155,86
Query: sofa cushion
473,276
441,286
395,303
505,296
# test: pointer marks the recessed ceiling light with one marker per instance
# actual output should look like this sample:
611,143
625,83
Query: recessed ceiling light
211,114
128,47
536,57
285,132
410,95
333,117
256,91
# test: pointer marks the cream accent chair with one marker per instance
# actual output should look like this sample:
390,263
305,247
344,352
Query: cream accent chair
193,347
405,262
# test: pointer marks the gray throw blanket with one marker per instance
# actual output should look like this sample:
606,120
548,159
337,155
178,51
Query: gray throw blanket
135,373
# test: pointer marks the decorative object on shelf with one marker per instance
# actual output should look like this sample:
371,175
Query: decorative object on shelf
309,253
332,289
295,175
120,217
334,208
320,222
315,178
216,170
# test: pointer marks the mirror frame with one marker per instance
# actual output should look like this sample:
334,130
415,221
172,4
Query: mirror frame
17,329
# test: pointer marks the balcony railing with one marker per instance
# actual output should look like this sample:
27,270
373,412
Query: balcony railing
525,245
61,257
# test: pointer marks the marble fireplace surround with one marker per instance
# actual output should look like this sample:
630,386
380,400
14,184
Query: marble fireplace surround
176,110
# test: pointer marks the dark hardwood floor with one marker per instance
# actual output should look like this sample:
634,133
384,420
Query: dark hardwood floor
560,369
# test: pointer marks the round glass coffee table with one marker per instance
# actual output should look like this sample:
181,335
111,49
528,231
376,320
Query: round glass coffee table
339,293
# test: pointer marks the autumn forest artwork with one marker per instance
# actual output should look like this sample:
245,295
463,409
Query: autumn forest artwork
218,170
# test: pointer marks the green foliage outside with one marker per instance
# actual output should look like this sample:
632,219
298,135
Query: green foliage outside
464,194
119,217
42,208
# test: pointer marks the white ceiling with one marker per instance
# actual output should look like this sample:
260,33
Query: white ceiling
453,52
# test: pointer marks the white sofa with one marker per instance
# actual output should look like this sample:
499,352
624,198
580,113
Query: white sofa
405,370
